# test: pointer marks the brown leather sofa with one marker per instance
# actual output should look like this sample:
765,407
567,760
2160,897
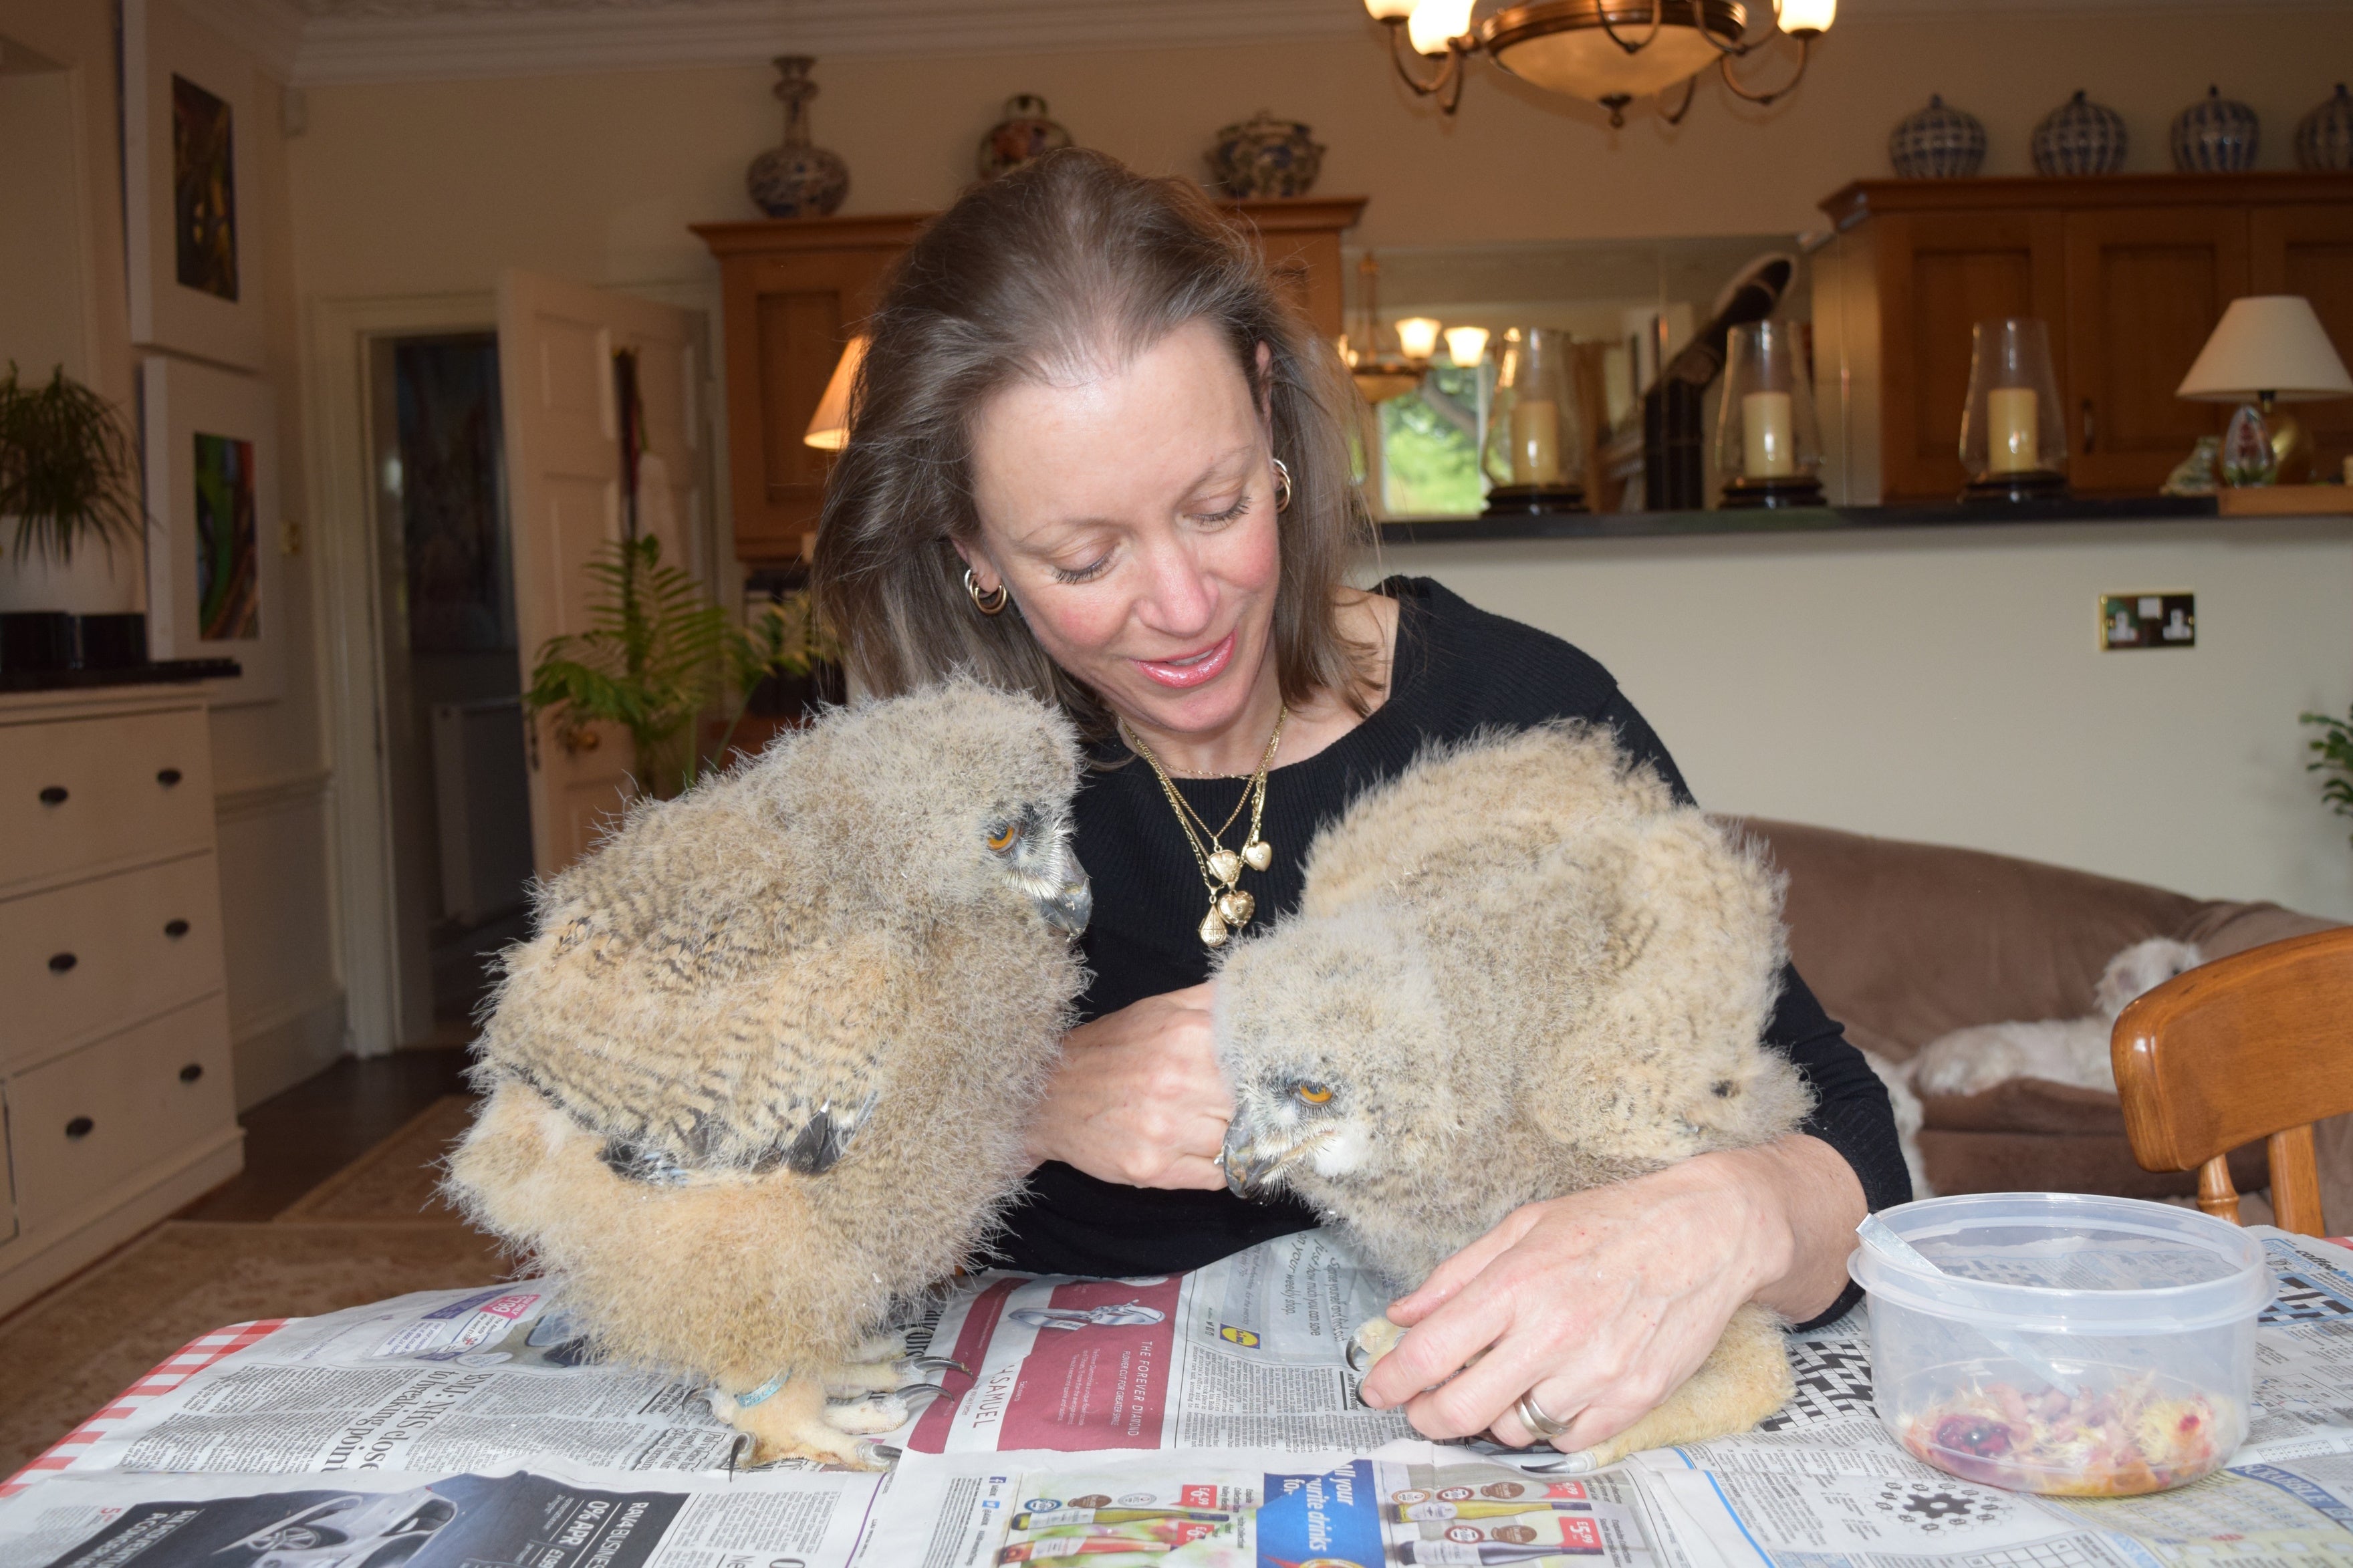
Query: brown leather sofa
1906,942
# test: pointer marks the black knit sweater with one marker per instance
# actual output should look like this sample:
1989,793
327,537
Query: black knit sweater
1457,670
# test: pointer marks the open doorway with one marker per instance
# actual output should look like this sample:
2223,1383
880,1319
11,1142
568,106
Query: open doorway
452,723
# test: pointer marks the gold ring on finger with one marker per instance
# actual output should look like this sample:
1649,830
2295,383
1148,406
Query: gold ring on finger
1531,1417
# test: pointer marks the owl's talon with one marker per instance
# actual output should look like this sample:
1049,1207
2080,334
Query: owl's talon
1374,1339
937,1364
878,1456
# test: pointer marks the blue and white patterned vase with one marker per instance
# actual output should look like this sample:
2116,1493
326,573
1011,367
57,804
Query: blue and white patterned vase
2080,137
1264,156
796,180
1938,143
2216,135
2324,138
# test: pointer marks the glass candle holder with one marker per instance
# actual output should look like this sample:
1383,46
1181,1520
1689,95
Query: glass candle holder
2013,430
1535,453
1767,446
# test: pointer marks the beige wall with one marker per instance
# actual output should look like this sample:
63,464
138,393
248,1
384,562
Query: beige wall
285,998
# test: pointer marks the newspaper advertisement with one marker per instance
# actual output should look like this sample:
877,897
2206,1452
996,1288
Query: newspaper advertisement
1199,1420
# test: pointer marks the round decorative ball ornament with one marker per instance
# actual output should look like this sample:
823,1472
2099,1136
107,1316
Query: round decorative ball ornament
2080,137
2324,138
1023,136
1264,156
1938,143
795,179
2216,135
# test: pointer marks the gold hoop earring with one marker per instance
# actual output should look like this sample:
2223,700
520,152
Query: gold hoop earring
991,603
1282,485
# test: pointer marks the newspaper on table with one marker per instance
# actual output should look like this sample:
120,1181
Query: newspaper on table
1208,1419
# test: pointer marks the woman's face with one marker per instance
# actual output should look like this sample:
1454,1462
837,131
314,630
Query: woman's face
1133,517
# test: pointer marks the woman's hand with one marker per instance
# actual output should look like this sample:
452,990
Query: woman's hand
1601,1303
1139,1100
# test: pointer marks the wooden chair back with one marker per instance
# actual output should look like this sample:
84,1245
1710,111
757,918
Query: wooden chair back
2257,1045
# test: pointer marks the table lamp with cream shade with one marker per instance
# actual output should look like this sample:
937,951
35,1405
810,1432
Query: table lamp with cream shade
828,428
2267,349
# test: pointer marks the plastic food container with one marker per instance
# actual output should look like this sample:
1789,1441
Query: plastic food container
2050,1342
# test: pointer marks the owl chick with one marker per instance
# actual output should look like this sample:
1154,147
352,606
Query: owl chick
1520,969
764,1070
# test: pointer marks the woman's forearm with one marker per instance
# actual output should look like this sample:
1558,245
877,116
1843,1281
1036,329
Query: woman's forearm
1799,1202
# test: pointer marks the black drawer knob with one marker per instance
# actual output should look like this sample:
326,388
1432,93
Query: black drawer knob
191,1072
53,795
168,777
175,929
61,961
80,1127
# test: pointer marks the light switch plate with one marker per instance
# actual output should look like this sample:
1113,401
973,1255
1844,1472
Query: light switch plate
2148,620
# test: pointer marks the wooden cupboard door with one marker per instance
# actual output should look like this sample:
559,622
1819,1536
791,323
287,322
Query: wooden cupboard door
2144,287
2309,251
788,316
1939,274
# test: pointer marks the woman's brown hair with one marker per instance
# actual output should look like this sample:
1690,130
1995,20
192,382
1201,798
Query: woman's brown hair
1071,262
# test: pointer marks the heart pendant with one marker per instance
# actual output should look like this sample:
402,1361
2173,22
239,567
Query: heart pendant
1225,866
1213,929
1259,853
1237,907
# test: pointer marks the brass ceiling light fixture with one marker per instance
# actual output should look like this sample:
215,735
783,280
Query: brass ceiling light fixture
1380,375
1610,52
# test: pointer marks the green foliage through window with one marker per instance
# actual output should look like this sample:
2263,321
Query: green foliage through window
1430,448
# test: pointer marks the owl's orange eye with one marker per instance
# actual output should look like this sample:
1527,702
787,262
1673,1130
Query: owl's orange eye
1313,1093
1005,837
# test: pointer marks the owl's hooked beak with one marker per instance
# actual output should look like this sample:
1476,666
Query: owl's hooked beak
1249,1168
1070,907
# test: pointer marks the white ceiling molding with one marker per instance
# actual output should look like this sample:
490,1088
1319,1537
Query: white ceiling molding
318,42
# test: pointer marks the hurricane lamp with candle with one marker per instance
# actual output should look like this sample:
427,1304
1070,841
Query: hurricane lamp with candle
2013,432
1767,446
1535,454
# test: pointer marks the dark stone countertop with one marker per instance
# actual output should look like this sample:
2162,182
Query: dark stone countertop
155,673
1789,519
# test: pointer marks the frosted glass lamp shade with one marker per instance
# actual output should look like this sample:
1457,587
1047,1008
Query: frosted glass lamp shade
2267,345
1418,336
1561,46
828,428
1802,17
1466,346
1388,10
1433,22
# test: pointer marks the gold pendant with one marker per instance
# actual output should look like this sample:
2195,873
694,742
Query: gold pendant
1225,866
1213,929
1236,907
1259,853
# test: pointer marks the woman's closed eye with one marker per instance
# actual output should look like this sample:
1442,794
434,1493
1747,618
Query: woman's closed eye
1242,505
1086,574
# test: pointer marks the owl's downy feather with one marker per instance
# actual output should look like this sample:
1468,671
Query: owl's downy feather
765,1065
1520,969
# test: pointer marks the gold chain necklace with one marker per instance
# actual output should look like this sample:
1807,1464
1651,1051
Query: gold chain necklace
1230,908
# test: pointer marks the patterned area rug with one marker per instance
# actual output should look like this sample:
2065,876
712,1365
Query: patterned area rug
101,1333
394,1182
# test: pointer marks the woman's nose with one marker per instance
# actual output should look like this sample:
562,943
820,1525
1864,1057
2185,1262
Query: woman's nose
1180,600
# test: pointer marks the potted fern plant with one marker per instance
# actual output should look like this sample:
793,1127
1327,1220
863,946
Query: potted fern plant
69,480
2332,751
660,653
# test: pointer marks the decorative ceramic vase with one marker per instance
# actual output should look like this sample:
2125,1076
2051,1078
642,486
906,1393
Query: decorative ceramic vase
2324,138
1023,136
796,180
1938,143
2080,137
1264,156
2216,135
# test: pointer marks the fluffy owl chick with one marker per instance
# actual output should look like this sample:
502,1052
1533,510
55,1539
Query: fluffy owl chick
1520,969
763,1068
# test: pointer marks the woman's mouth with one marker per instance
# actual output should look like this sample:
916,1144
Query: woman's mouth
1190,670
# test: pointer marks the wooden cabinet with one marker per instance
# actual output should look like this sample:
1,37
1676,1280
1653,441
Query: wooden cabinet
116,1104
793,291
2131,272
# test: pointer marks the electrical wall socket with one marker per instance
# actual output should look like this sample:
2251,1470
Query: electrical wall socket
2148,620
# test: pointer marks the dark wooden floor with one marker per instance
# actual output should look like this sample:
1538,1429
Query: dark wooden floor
298,1139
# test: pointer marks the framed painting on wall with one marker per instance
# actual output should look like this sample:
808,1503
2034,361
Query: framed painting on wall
215,582
189,193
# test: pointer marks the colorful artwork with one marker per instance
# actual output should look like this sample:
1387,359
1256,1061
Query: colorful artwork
228,554
203,191
453,516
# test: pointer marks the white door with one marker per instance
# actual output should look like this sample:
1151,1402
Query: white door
557,345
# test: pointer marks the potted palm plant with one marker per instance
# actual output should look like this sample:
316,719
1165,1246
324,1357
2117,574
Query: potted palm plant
69,478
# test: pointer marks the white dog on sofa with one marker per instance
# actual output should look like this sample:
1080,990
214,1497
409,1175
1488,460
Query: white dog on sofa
2064,1050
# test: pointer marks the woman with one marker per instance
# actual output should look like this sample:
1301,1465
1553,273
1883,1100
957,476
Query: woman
1095,456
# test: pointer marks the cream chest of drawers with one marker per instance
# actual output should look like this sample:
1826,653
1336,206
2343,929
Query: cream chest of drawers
114,1060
